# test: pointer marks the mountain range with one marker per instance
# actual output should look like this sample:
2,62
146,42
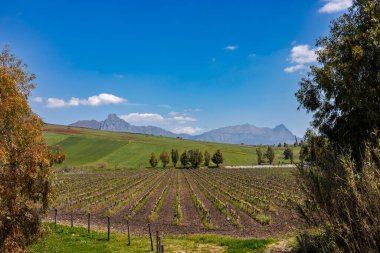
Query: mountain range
246,133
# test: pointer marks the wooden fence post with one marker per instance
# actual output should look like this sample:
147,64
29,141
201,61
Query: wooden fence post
129,235
162,249
150,237
157,242
55,216
109,228
88,222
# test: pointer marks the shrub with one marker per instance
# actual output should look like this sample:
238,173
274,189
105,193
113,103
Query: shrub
343,197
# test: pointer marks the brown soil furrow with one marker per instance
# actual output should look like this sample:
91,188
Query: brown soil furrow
143,216
218,219
190,213
167,211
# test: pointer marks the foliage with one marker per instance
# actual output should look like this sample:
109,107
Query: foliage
185,159
196,158
288,155
207,158
153,160
175,157
58,156
165,159
259,155
217,158
343,197
343,90
26,178
304,153
270,155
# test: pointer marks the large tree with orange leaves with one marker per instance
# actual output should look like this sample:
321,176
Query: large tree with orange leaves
25,162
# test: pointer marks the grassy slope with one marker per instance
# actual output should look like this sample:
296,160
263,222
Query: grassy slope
76,239
125,150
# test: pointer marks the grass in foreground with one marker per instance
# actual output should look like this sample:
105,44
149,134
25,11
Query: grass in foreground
76,239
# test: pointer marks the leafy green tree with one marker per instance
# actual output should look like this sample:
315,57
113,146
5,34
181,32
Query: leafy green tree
287,152
270,155
165,159
279,145
259,154
343,89
291,156
26,176
196,158
207,158
175,157
217,158
341,187
304,153
184,159
153,160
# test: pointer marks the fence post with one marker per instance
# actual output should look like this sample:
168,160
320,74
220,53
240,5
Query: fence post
157,242
109,228
71,218
88,222
150,237
162,249
55,216
129,235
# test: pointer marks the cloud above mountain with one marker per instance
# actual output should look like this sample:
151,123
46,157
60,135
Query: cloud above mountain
97,100
301,56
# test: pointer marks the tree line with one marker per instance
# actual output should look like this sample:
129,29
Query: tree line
191,158
270,155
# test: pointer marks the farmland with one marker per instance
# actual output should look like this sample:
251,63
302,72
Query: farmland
86,147
238,202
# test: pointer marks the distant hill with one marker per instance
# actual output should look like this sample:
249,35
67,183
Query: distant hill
247,134
115,124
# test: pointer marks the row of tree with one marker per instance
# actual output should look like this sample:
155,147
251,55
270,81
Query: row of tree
270,155
194,158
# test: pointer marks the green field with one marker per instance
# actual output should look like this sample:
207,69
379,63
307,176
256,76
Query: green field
67,239
86,147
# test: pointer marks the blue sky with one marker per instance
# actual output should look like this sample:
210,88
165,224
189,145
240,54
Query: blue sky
187,66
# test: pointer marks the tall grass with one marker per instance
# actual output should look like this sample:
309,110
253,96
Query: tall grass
343,198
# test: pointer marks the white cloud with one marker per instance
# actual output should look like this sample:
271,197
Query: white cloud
183,119
187,130
156,118
101,99
294,68
38,99
332,6
301,55
55,103
173,113
231,48
143,117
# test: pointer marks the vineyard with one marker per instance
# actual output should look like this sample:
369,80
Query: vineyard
243,202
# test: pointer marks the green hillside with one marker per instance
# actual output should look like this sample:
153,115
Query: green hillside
86,147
